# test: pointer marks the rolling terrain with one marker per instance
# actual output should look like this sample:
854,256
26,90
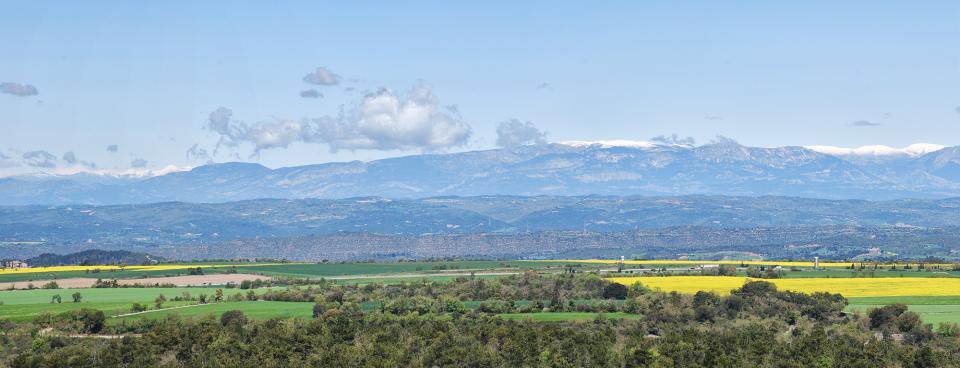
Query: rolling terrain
580,168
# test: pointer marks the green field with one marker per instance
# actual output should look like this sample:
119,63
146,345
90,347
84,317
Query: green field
252,309
932,309
565,316
23,305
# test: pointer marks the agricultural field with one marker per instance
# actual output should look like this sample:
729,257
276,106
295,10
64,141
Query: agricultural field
935,295
849,287
24,305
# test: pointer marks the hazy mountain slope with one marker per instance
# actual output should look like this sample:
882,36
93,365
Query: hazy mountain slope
724,168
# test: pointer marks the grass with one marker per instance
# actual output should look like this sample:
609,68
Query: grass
24,305
252,309
932,309
848,287
565,316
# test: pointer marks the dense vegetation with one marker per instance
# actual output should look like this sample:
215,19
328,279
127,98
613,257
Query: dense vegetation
93,257
425,324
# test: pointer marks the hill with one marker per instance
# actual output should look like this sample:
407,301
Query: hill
721,168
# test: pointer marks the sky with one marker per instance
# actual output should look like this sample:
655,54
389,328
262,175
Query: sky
138,86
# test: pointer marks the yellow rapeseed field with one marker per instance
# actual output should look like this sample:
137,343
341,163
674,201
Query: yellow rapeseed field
849,287
686,262
162,267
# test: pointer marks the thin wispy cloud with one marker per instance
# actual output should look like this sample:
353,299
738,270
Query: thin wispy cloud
42,159
311,93
113,148
138,163
674,139
18,89
196,153
542,86
864,123
70,158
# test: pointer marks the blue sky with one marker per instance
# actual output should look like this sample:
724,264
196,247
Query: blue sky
411,77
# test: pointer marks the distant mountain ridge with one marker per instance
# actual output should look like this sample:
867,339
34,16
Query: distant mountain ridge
584,168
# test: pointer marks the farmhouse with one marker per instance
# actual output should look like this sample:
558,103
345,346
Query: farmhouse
13,263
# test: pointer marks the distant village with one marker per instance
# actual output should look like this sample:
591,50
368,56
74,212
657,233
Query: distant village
13,263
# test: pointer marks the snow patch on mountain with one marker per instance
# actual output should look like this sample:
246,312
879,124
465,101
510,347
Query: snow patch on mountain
913,150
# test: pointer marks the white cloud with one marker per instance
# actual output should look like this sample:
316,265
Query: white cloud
18,89
384,120
380,121
513,132
322,77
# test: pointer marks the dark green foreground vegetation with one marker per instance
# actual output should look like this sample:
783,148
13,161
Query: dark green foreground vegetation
458,323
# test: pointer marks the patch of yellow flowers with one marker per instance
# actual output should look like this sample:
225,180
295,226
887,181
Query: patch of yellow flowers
687,262
849,287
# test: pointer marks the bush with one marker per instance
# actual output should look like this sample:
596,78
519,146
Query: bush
137,307
615,291
233,317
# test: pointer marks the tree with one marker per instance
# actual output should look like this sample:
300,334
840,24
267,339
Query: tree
218,295
615,291
56,299
158,302
137,307
77,297
92,319
202,298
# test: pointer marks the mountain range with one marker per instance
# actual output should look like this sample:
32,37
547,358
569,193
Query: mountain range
723,167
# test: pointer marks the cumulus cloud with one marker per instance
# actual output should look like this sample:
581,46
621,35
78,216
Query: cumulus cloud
112,148
322,77
42,159
513,132
674,139
311,93
196,153
382,120
18,89
864,123
138,163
